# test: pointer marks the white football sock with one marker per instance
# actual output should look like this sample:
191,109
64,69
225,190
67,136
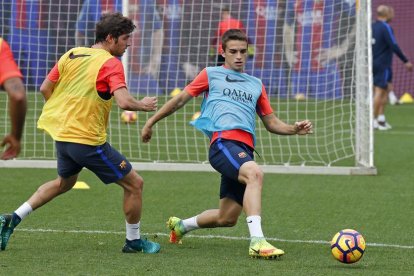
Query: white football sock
255,226
392,98
190,224
24,210
132,231
381,118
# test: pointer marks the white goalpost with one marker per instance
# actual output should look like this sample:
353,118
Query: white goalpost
313,56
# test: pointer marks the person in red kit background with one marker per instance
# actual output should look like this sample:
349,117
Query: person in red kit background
11,82
227,22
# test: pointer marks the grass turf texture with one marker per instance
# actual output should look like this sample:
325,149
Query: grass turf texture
82,232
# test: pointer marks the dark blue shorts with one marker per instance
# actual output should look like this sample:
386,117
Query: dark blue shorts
226,157
382,77
106,162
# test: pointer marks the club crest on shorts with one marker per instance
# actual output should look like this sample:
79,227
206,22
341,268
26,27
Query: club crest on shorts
242,154
123,165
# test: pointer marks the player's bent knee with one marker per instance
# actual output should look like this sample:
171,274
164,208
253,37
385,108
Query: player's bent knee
227,222
132,182
136,182
250,172
66,184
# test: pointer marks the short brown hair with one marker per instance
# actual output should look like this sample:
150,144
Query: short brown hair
233,34
114,24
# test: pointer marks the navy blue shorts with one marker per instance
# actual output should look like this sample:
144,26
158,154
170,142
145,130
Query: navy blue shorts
382,77
106,162
226,157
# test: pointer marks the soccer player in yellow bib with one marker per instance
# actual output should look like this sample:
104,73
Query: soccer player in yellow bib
79,92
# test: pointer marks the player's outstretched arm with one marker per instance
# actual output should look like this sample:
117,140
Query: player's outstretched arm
167,109
277,126
303,127
17,111
127,102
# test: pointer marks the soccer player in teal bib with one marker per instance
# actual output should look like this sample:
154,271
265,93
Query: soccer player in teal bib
231,100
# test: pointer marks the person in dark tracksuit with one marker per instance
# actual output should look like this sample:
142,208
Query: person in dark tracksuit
384,45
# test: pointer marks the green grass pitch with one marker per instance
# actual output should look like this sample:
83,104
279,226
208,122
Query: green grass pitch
82,232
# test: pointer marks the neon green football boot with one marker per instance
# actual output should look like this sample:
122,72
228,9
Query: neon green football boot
260,248
177,229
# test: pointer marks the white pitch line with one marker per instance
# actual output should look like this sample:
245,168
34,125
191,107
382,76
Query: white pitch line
204,237
395,132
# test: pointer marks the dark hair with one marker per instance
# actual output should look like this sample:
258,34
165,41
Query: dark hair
225,8
233,34
114,24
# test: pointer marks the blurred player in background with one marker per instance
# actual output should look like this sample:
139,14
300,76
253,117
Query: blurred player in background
79,92
265,20
383,48
11,81
144,57
91,12
392,98
228,117
29,39
62,17
147,41
312,47
227,22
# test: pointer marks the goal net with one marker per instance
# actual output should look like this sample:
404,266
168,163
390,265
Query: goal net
313,57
